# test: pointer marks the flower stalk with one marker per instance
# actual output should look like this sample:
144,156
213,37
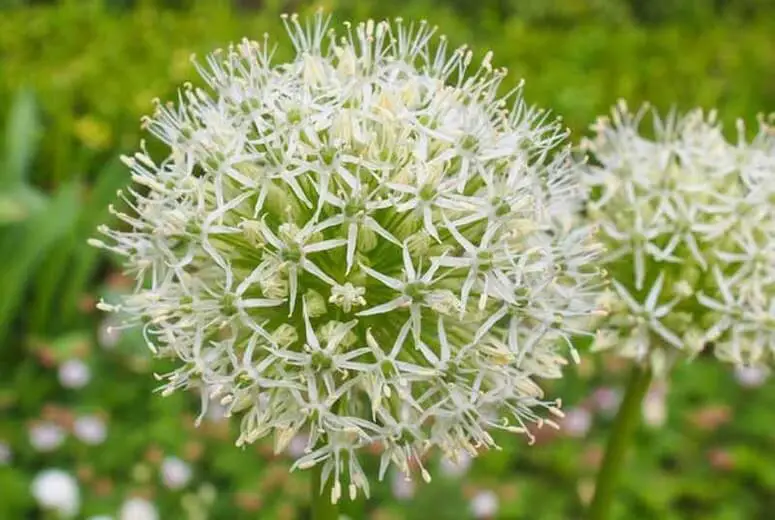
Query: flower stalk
625,424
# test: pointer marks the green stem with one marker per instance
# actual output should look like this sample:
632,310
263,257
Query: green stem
322,508
626,422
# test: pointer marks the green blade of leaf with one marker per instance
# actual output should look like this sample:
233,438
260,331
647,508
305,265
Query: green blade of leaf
19,204
22,134
84,259
29,242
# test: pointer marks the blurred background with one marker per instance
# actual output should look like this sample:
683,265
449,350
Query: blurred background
76,396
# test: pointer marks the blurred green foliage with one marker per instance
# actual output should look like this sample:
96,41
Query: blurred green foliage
75,78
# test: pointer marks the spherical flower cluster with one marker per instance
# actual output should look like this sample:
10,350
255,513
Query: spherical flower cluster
367,244
688,219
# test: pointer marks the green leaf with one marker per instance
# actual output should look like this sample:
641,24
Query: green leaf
85,258
16,495
25,245
22,134
69,345
20,203
68,270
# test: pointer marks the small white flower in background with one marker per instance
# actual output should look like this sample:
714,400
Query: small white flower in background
366,243
57,491
688,219
751,377
46,436
176,473
455,468
90,429
654,406
402,487
137,508
100,517
74,373
484,504
6,455
576,422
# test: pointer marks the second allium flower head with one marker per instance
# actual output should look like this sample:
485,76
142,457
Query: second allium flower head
689,222
366,243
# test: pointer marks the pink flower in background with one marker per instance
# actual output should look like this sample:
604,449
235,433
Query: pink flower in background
175,472
5,454
46,436
296,448
90,429
577,422
455,468
711,417
751,376
402,487
74,374
606,400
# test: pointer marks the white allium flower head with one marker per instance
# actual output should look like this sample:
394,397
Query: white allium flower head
57,491
137,508
366,243
688,220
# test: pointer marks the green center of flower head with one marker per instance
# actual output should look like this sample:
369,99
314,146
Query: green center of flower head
291,253
502,207
685,232
294,116
320,361
485,259
469,143
228,304
354,207
415,290
427,193
357,252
